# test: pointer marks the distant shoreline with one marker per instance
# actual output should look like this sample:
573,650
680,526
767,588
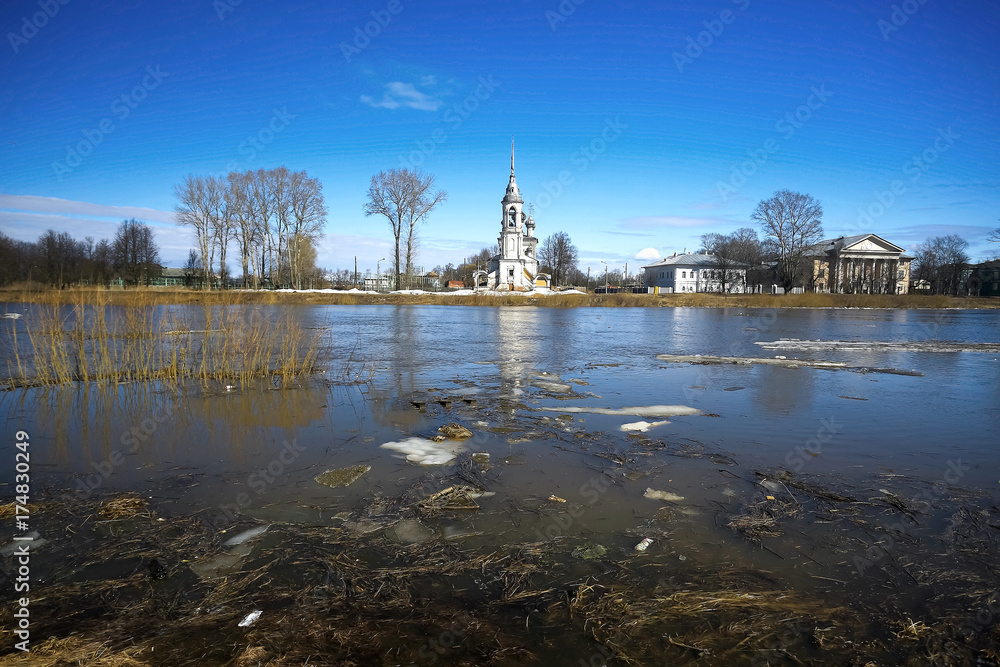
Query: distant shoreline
167,296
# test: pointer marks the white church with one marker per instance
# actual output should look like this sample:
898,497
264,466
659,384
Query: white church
515,268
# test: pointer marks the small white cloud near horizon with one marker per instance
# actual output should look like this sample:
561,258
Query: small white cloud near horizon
647,254
399,94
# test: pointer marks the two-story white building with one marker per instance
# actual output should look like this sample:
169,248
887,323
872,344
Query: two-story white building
690,272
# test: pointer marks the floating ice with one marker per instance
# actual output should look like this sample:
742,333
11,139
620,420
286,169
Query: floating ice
662,495
427,452
637,411
244,536
643,426
878,345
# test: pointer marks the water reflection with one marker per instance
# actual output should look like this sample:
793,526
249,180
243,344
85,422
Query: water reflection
517,352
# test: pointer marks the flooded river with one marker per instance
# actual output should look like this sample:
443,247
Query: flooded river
797,514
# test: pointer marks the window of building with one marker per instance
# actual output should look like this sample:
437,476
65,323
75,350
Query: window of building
511,215
683,274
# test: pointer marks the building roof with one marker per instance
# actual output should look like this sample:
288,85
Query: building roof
833,246
686,259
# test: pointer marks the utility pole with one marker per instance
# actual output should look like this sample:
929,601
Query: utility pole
355,270
588,279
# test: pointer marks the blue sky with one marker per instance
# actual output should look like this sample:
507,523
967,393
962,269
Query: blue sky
638,126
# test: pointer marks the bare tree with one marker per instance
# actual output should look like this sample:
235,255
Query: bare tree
240,206
134,252
727,265
941,261
791,224
994,236
405,199
196,197
559,256
308,216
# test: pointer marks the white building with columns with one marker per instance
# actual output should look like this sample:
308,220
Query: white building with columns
515,268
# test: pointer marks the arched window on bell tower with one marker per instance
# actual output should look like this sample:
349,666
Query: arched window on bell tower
511,216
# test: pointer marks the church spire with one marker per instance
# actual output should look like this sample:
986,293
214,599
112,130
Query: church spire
513,195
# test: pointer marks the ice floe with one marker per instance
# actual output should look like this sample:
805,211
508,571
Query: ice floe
635,411
709,359
794,344
244,536
427,452
642,426
652,494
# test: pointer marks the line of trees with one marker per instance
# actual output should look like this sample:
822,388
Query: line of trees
941,262
59,260
273,216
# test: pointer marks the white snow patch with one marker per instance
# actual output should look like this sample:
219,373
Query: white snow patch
637,411
643,426
662,495
427,452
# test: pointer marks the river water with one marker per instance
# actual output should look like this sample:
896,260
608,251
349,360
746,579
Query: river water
525,380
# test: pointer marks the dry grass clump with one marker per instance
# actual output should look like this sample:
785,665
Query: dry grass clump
124,506
132,338
77,652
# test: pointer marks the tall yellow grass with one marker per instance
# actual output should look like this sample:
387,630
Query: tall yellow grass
135,339
174,296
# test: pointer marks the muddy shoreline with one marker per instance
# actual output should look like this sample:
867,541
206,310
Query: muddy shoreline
813,569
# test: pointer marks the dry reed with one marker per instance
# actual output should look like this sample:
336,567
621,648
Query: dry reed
134,338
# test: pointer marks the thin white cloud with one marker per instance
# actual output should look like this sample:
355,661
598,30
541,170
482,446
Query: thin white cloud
398,94
32,204
648,254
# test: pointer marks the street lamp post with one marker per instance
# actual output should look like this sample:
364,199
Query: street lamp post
378,275
605,276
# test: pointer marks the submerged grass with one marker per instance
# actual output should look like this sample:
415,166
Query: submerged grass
127,595
131,337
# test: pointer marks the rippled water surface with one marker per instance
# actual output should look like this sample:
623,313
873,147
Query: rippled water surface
523,380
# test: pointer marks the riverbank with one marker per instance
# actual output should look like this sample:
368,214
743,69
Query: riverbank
546,298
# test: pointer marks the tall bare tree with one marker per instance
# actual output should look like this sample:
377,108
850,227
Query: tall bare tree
791,222
559,256
196,197
405,199
307,218
722,248
240,203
